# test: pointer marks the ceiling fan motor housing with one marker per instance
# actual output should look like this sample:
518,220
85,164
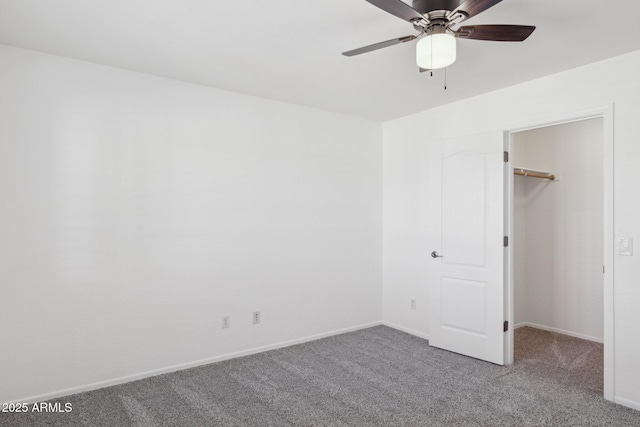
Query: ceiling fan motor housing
425,6
437,28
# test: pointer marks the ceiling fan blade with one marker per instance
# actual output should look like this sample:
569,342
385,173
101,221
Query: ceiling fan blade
474,7
377,46
498,33
397,8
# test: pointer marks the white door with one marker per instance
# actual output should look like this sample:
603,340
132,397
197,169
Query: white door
466,291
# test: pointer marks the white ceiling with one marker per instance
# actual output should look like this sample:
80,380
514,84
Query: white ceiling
290,50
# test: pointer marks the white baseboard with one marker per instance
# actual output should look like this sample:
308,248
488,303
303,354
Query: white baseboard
627,403
407,330
182,366
559,331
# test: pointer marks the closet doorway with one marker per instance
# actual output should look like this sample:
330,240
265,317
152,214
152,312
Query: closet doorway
558,210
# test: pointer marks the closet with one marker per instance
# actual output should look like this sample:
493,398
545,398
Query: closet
558,228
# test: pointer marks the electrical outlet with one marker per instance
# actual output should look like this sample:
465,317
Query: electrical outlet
226,322
256,317
413,303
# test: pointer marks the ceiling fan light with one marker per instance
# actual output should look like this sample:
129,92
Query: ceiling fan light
436,51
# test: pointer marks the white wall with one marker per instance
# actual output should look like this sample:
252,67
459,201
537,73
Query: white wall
407,237
558,229
136,211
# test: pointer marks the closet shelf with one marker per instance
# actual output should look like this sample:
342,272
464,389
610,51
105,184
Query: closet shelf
534,173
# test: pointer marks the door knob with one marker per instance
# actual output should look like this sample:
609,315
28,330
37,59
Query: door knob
434,254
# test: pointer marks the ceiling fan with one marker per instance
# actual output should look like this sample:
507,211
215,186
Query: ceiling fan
435,21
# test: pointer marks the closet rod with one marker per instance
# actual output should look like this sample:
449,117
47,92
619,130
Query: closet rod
534,174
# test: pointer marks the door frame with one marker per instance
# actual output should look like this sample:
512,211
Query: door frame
607,114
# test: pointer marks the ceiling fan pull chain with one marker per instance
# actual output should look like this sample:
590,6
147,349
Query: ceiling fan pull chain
445,78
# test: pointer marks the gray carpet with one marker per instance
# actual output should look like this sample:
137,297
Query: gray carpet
373,377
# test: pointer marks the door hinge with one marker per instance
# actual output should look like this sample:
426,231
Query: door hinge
506,156
505,241
505,327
